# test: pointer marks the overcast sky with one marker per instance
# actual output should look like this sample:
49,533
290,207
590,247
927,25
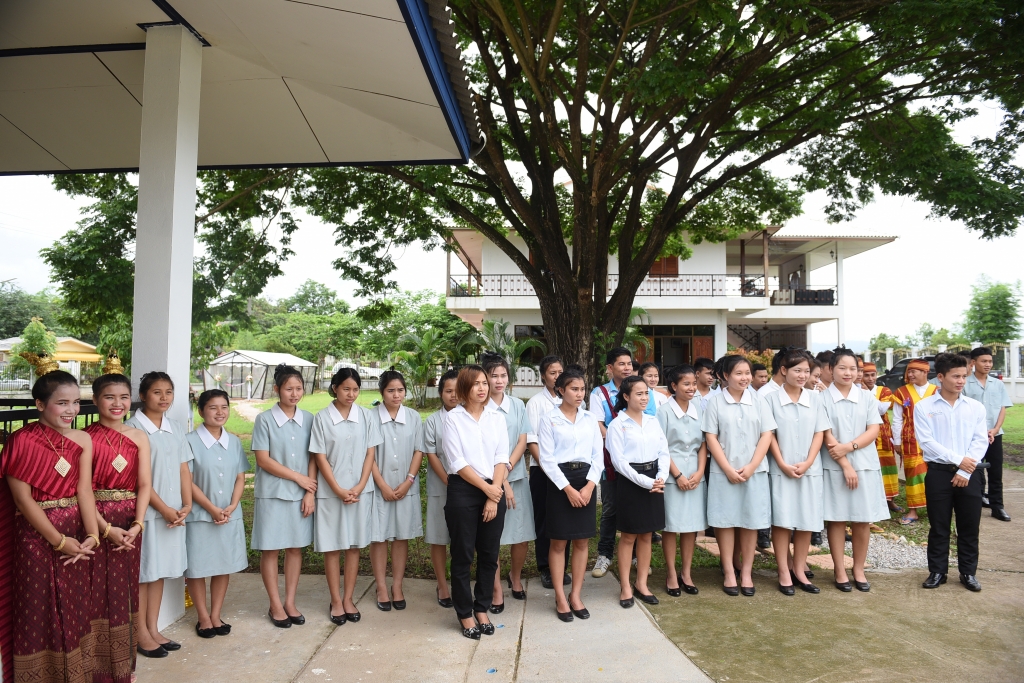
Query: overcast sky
924,276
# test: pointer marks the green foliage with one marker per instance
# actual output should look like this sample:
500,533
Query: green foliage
315,298
499,336
418,361
414,312
35,338
18,307
882,341
994,313
314,337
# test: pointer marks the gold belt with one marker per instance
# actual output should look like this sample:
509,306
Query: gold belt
59,503
116,494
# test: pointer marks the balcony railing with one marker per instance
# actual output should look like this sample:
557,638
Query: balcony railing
663,285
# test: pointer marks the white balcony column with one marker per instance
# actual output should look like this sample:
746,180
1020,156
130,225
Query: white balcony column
867,356
809,342
721,333
888,358
1013,367
841,294
162,328
942,348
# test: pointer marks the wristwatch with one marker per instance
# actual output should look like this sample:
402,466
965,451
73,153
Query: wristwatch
855,445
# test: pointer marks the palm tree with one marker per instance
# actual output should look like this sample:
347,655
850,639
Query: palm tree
499,337
419,361
633,339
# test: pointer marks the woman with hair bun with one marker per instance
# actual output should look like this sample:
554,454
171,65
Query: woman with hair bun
344,440
399,516
436,529
285,485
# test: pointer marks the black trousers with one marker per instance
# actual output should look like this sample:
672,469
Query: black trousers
606,534
470,536
539,495
945,500
994,455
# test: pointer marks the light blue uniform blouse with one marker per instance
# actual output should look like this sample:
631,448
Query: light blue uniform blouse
215,469
287,441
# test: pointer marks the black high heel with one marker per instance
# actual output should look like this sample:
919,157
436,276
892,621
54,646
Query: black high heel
581,613
398,604
518,595
496,609
444,602
384,606
564,616
486,628
473,632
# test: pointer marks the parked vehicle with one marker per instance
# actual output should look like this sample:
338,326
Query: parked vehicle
893,378
14,385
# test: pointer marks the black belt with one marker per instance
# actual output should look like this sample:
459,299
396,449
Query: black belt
645,466
456,475
943,467
574,465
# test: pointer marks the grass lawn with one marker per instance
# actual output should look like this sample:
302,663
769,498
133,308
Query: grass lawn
1013,439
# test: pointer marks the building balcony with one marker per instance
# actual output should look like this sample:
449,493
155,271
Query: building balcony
724,286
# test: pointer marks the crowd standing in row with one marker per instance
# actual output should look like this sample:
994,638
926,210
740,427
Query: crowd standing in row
99,518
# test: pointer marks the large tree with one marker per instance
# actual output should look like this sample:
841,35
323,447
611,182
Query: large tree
636,127
994,314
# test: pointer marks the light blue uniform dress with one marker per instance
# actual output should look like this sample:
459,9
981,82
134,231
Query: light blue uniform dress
164,555
850,417
277,520
344,441
519,525
797,503
685,511
398,520
738,425
215,549
436,531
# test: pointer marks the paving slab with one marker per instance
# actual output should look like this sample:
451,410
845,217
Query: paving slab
1001,544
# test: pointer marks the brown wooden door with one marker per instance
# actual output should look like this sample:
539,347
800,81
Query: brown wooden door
703,347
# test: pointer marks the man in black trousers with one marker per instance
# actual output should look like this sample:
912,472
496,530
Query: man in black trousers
953,435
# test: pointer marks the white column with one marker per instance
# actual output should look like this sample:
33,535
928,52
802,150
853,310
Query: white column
867,356
888,358
162,329
721,334
807,341
841,293
1014,365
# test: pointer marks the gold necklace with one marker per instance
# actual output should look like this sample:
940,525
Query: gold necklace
62,466
118,463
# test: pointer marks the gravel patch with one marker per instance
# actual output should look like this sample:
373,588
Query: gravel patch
886,553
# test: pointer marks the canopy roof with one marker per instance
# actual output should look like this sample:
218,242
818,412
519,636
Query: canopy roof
284,82
261,358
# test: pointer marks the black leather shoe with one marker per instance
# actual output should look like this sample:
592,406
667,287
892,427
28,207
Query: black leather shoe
731,591
353,617
496,609
805,586
674,592
984,502
764,540
787,590
516,595
655,537
298,620
862,586
970,583
1000,514
564,616
581,613
384,606
816,538
397,604
747,591
444,602
280,623
171,646
472,633
487,629
158,653
649,599
339,619
566,579
223,629
844,586
206,632
545,579
688,589
809,574
626,604
934,580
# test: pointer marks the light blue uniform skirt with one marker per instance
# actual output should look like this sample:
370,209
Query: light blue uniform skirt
747,505
397,520
215,549
685,511
866,503
519,525
279,524
797,503
164,555
436,531
341,527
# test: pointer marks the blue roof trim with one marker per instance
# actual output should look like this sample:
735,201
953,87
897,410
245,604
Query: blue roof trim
417,19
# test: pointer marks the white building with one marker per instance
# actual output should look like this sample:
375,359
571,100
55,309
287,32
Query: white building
697,306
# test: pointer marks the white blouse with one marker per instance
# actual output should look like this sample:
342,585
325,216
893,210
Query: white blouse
562,441
628,442
480,445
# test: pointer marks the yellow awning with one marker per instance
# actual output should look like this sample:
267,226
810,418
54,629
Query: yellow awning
79,356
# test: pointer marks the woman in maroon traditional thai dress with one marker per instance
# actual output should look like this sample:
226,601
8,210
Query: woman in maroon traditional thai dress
121,480
47,471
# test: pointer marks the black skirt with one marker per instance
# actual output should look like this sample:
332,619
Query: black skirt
562,521
637,510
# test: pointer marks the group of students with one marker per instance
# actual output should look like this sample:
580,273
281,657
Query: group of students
100,517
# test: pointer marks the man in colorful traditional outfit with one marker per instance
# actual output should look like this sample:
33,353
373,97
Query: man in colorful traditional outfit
886,456
904,439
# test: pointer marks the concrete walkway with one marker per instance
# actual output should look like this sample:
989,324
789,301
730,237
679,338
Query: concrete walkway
423,643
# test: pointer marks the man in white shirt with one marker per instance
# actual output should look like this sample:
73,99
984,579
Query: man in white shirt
953,436
991,392
542,403
760,377
705,374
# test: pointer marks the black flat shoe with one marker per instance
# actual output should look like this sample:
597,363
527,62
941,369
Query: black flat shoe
517,595
674,592
487,629
353,617
688,589
649,599
384,606
844,586
934,580
581,613
496,609
158,653
731,591
747,591
444,602
809,574
970,583
171,646
339,619
787,590
223,629
397,604
206,632
472,633
626,604
805,586
862,586
298,620
564,616
280,623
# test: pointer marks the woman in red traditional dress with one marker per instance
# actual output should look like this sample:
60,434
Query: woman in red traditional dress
122,482
47,471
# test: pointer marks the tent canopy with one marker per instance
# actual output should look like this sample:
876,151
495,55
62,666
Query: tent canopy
250,374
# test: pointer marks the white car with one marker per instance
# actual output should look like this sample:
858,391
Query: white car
14,385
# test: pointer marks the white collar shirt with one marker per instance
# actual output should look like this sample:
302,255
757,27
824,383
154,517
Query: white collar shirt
207,437
150,427
629,442
770,387
280,418
480,445
691,409
385,416
336,416
804,400
747,398
949,433
563,441
837,396
539,405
